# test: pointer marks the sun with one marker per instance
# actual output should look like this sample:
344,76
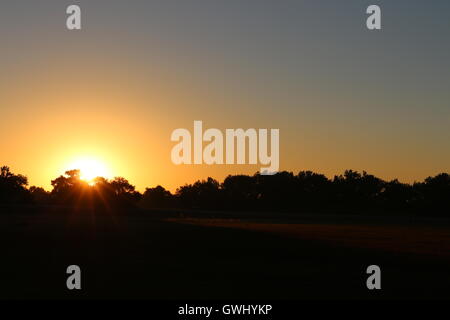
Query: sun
90,168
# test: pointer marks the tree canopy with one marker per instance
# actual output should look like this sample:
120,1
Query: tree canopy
307,191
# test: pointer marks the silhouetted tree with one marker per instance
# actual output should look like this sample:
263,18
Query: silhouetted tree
125,192
397,197
202,194
355,191
307,191
13,187
39,195
434,194
71,190
276,191
157,198
314,191
240,191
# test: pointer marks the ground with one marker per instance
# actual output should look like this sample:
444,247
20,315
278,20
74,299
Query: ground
196,256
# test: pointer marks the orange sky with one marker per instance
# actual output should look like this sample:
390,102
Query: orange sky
342,98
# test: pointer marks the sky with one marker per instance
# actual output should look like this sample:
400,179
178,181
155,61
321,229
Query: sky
342,96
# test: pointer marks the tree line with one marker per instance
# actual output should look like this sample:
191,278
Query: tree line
351,192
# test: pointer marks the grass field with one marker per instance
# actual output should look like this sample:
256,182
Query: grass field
145,255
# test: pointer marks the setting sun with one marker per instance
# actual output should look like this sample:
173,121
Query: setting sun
90,168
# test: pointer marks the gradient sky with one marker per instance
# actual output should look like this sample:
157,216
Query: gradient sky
342,96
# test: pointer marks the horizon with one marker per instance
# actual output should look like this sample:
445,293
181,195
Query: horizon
90,179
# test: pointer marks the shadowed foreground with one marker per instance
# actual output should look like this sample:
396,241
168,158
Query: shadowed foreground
143,256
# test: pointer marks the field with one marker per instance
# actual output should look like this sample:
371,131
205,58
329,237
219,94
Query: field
208,256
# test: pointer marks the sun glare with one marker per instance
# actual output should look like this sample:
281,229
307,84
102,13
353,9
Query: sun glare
90,168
